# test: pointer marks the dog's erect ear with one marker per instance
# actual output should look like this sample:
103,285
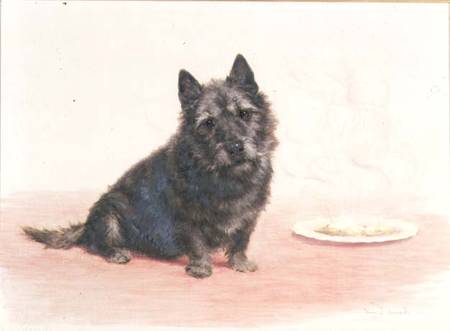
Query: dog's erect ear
189,89
242,75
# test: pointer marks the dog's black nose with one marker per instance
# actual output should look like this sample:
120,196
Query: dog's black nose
235,147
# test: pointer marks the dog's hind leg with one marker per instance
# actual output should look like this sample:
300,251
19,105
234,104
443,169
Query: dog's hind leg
119,255
114,241
104,237
104,234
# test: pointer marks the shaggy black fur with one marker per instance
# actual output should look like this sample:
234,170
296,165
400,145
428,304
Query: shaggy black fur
202,191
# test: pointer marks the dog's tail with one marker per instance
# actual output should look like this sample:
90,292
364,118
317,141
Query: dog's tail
62,238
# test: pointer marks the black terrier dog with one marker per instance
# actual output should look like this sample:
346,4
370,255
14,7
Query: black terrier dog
202,191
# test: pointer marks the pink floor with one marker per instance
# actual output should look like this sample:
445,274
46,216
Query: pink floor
297,278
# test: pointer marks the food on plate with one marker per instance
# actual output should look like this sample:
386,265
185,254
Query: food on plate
356,230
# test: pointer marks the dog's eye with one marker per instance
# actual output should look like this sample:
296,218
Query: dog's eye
210,123
245,114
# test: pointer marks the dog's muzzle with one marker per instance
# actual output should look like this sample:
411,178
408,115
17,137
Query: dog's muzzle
235,149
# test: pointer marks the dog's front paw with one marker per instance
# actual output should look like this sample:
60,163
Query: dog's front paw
243,265
199,270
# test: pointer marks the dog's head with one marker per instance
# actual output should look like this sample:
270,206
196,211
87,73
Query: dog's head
227,124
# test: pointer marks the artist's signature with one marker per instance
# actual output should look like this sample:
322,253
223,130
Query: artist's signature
379,309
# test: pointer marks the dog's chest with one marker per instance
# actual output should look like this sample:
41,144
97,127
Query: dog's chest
218,233
225,205
230,227
226,217
225,194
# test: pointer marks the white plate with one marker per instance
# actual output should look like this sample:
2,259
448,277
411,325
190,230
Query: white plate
308,229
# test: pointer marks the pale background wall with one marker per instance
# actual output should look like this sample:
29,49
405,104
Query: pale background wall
360,91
